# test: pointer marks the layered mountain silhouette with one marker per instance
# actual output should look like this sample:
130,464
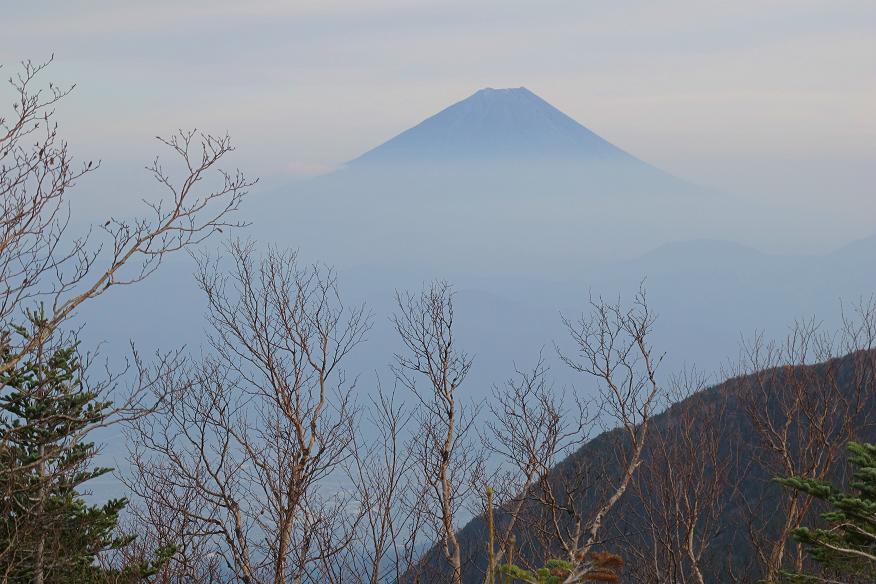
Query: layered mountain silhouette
512,178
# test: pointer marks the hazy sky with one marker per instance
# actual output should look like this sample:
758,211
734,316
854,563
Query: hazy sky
773,100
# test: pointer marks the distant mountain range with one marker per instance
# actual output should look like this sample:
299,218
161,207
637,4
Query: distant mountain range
522,243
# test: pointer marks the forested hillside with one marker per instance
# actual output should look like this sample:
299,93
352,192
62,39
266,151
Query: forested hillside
704,505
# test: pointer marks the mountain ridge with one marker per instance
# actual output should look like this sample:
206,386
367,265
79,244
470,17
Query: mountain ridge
729,549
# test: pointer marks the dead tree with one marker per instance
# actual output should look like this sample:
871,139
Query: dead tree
257,431
449,462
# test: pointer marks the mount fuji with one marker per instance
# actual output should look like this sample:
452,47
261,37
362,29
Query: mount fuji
495,124
500,181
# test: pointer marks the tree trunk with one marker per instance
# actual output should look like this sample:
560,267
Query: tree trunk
40,551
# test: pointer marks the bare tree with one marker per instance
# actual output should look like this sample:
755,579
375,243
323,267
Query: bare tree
689,477
382,471
803,408
250,449
612,347
531,427
47,272
158,527
40,262
450,465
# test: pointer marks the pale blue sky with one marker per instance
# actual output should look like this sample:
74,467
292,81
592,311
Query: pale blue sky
773,100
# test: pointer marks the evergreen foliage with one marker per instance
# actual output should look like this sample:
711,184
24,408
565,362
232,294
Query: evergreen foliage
603,567
48,533
846,547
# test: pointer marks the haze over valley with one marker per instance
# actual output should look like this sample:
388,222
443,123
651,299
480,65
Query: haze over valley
459,292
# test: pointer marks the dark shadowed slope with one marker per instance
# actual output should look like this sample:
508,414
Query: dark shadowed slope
730,549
